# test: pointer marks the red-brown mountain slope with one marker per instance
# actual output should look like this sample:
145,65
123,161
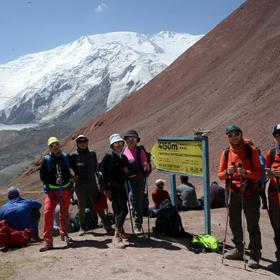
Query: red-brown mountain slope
231,75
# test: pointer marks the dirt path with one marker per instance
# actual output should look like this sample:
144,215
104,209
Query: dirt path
93,257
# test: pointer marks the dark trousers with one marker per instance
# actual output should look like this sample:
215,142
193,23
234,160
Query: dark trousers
137,184
274,215
119,205
251,207
88,194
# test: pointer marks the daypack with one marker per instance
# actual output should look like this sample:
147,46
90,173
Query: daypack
11,237
204,243
272,156
168,221
148,155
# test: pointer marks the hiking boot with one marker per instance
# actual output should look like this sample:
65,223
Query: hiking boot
124,237
66,238
82,232
109,229
264,206
117,241
234,254
253,263
47,247
137,229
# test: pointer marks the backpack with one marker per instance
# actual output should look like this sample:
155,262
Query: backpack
148,155
204,243
168,221
11,237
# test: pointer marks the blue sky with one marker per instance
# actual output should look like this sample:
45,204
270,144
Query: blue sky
28,26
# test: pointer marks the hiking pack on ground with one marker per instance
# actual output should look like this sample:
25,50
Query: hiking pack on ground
203,243
168,221
11,237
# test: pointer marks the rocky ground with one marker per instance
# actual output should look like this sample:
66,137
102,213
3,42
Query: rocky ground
94,257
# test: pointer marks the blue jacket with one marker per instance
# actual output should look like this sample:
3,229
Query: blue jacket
18,213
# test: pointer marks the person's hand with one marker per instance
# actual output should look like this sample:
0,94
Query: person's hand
268,173
230,170
75,178
59,181
125,169
108,194
241,172
275,172
146,167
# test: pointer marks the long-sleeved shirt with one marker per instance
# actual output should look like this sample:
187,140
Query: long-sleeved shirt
252,166
158,196
18,213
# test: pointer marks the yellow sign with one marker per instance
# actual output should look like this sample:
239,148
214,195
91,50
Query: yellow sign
178,156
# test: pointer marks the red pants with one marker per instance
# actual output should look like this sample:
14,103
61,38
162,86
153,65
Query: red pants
51,200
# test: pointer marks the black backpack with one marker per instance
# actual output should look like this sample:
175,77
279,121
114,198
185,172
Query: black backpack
168,221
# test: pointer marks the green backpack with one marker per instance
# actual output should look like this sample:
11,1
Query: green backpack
204,243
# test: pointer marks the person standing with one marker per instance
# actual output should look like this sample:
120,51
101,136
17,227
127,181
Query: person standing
114,168
138,166
272,160
21,213
56,177
240,167
86,169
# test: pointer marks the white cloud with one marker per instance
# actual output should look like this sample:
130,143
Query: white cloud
101,7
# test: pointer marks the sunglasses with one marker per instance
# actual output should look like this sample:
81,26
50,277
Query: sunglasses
54,145
276,134
234,134
82,141
131,138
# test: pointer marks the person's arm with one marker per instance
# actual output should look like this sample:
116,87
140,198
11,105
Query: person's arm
222,172
44,172
34,204
256,171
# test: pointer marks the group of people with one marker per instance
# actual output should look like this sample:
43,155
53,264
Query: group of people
122,173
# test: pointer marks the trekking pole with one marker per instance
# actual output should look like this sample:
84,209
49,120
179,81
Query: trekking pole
62,205
129,209
147,192
243,216
227,219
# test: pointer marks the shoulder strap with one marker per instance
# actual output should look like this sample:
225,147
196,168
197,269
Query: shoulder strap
226,156
272,156
249,152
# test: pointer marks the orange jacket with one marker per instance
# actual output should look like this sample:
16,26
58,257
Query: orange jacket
272,190
252,166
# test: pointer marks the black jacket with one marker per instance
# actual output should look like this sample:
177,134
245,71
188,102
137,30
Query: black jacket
112,167
84,164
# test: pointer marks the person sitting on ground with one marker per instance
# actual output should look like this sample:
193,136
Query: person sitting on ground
159,194
21,213
217,196
187,195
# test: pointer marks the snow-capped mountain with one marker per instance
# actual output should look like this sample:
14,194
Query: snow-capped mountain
83,78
